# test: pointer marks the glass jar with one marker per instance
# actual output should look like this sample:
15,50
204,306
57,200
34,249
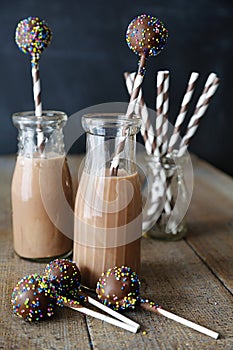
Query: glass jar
41,188
167,191
108,220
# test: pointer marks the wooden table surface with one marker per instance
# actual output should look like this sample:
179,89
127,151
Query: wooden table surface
192,278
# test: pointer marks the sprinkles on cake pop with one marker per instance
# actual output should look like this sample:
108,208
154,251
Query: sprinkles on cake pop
64,276
146,35
32,36
32,298
118,288
63,300
151,303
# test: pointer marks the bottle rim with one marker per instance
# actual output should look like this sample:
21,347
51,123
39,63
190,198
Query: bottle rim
102,123
47,115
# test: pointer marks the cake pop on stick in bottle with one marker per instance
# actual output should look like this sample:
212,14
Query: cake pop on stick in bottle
119,289
32,36
146,36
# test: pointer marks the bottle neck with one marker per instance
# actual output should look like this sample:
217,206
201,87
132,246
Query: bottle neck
101,151
40,137
105,132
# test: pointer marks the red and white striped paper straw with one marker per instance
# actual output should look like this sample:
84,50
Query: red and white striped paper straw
165,112
37,90
184,108
159,112
201,107
38,104
129,113
147,130
134,95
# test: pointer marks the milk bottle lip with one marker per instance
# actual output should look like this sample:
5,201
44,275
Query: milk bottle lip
47,117
103,124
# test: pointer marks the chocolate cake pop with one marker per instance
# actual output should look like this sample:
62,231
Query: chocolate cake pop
64,276
118,288
32,299
32,36
146,35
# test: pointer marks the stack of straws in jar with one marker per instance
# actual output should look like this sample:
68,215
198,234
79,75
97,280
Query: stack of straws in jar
160,143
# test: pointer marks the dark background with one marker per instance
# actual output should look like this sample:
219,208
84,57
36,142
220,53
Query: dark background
88,54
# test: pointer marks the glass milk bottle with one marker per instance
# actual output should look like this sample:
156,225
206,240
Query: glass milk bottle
41,188
108,219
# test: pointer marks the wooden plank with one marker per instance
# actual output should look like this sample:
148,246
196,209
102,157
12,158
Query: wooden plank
175,277
210,220
172,273
67,330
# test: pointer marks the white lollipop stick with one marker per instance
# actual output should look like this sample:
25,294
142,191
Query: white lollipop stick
150,306
101,317
187,323
113,312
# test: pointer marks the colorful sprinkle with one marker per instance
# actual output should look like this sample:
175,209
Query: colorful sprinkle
146,35
32,36
32,298
64,277
118,288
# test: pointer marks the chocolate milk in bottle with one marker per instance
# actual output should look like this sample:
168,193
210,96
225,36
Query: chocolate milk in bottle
108,205
41,189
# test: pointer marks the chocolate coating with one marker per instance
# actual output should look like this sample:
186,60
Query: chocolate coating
32,299
64,276
118,288
32,36
146,35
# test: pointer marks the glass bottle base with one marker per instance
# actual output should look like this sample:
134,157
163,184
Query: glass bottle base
157,232
49,258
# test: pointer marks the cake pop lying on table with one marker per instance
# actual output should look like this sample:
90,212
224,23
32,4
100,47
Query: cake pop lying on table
35,298
32,299
119,289
65,278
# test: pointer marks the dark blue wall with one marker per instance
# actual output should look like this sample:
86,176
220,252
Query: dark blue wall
84,64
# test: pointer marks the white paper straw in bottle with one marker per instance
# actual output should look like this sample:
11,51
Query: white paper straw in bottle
147,131
165,112
183,110
201,107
